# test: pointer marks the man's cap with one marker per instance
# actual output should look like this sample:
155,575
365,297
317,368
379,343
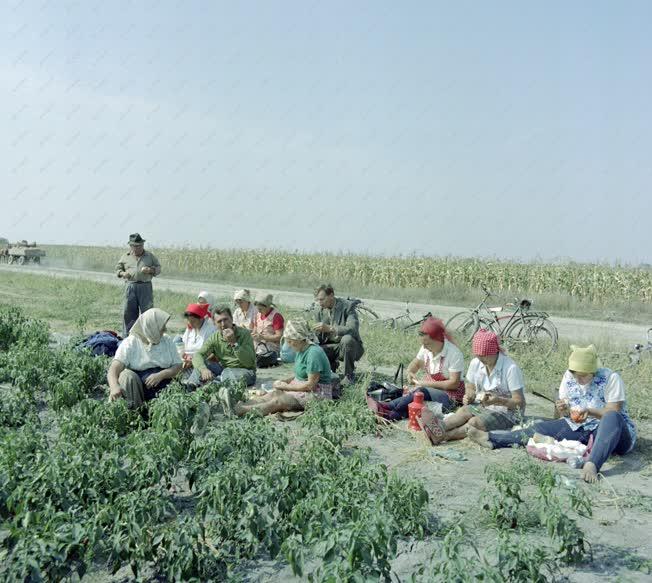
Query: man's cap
136,239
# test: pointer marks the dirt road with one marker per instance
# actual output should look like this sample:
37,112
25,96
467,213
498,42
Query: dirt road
571,328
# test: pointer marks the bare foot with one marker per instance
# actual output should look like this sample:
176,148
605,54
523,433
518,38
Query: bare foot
478,436
590,473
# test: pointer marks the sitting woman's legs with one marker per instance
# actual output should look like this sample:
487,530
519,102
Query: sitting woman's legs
274,402
399,406
611,436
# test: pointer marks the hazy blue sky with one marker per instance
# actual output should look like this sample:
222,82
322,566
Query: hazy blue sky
509,129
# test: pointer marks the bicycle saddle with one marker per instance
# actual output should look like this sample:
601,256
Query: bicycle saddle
525,304
496,309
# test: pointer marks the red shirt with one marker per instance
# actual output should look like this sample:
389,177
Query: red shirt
278,323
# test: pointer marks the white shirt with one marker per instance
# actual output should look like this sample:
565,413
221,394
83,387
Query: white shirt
449,360
245,320
505,378
193,339
133,355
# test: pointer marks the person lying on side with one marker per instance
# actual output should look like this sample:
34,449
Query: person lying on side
493,399
145,362
312,376
591,403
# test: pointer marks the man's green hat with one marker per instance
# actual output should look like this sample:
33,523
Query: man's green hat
136,239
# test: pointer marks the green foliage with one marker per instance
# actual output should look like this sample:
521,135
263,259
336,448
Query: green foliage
550,507
337,421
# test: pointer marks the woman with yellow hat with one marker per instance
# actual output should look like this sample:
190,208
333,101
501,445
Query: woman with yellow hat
591,403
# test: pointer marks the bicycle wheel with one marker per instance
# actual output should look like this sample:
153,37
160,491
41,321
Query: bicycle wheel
531,333
366,314
463,325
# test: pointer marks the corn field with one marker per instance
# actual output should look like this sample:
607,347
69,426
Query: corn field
592,282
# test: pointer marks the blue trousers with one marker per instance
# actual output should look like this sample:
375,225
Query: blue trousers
224,374
611,436
400,406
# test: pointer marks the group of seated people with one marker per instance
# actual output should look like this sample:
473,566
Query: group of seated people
224,344
485,405
490,401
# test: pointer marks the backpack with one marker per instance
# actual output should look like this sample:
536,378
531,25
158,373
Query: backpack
266,358
385,391
102,343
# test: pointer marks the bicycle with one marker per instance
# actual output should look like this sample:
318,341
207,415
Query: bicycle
520,327
619,361
405,321
365,313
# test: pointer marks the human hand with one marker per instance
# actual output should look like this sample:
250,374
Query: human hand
490,399
153,380
469,398
278,384
147,270
115,393
206,375
578,415
321,328
229,335
412,378
186,363
561,406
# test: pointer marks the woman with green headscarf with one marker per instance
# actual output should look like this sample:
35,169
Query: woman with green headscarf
312,376
591,403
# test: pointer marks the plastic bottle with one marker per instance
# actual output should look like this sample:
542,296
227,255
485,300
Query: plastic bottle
575,461
414,411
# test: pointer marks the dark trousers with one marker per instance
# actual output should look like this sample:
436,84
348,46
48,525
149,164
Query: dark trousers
348,350
138,299
400,406
611,436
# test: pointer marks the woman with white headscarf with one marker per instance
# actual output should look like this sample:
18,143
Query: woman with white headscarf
145,362
245,314
208,298
312,376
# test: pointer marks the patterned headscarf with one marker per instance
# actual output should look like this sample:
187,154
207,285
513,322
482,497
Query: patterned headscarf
485,343
149,327
299,330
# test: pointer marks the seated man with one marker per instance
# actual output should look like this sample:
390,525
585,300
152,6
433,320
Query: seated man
232,348
338,332
145,362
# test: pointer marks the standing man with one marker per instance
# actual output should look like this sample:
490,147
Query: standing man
338,330
137,267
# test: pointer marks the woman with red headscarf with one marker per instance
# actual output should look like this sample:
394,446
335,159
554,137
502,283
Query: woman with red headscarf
443,363
493,399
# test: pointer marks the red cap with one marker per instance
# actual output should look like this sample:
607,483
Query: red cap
199,310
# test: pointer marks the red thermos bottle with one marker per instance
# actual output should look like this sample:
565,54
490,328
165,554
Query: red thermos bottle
414,411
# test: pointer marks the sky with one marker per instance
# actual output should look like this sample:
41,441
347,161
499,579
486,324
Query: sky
506,129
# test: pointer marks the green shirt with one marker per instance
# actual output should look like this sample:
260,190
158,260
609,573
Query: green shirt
238,355
310,361
132,265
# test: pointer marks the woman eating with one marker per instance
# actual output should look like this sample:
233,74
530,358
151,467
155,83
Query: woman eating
312,376
493,397
442,362
591,403
245,313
